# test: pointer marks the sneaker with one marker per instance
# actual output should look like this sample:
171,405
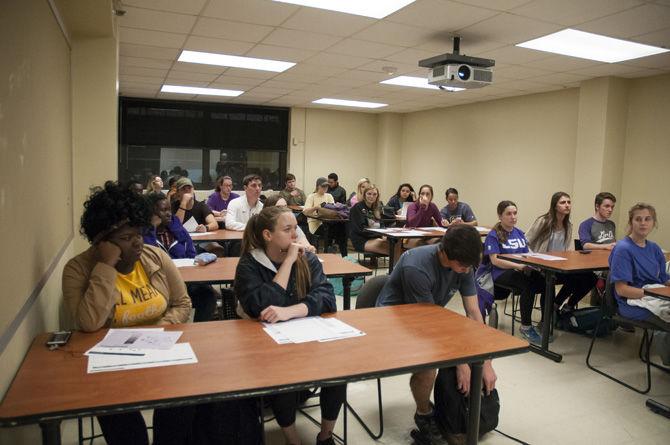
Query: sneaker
530,334
428,428
329,441
539,332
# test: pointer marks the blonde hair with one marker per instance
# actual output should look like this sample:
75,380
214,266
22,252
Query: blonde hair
636,208
376,206
359,190
253,239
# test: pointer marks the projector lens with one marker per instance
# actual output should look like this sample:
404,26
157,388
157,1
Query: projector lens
464,72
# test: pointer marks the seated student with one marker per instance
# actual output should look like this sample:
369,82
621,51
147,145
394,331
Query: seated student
135,186
276,280
155,185
367,215
279,201
186,206
292,194
240,210
433,274
358,194
404,194
505,238
334,188
423,212
98,289
219,199
313,203
456,212
167,233
599,232
553,232
172,188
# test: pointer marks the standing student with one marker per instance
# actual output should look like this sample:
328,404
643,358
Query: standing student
337,231
358,194
291,193
404,194
423,212
241,209
276,280
506,238
433,274
553,232
599,232
186,206
456,212
99,288
223,193
168,234
338,193
367,215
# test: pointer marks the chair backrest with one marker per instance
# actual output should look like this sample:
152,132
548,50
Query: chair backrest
610,306
367,296
578,245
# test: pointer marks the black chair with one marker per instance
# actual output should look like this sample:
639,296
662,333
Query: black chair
367,298
610,314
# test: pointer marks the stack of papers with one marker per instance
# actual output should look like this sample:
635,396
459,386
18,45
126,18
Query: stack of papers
302,330
481,229
540,256
138,348
183,262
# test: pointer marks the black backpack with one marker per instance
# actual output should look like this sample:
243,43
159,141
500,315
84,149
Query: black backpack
451,407
584,321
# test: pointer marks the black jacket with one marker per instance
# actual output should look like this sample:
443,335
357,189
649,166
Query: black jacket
256,290
358,222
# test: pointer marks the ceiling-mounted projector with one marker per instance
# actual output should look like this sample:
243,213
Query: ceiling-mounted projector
458,70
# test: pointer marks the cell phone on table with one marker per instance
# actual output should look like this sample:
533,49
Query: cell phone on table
59,338
584,252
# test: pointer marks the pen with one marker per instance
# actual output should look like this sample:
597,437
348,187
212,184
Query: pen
117,353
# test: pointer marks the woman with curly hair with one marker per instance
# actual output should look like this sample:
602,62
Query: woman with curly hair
121,282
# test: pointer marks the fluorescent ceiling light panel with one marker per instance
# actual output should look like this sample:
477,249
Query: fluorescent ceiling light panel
348,103
585,45
250,63
376,9
416,82
200,91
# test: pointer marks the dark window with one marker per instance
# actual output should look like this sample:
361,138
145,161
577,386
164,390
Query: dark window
202,140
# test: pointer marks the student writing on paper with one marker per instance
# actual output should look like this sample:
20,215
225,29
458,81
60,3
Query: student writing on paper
277,280
118,282
167,233
506,238
553,232
367,214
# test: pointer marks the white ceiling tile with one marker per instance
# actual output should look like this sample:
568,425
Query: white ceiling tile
221,46
236,83
561,63
285,84
410,55
196,77
157,20
149,52
377,66
440,15
260,12
152,38
338,60
470,44
561,78
362,48
605,69
512,72
511,28
140,79
300,39
296,77
263,90
223,29
280,53
513,55
176,96
172,80
318,72
573,12
659,61
632,22
180,6
498,5
139,86
395,34
368,76
340,82
256,74
139,71
144,62
198,68
327,22
658,38
643,73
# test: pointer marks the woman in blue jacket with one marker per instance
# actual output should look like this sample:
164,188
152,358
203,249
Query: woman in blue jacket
277,280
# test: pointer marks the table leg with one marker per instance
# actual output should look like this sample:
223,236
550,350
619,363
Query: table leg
51,432
346,292
476,370
549,294
392,242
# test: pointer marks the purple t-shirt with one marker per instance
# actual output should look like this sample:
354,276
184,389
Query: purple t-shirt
216,202
417,216
516,243
637,266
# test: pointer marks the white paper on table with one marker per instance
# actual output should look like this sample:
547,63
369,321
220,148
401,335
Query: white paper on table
302,330
432,229
179,354
197,234
539,256
140,339
183,262
276,335
190,225
482,229
383,231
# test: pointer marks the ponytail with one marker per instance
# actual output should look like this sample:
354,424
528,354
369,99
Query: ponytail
502,233
303,277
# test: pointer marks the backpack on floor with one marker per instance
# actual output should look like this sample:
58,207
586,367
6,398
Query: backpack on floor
584,321
451,407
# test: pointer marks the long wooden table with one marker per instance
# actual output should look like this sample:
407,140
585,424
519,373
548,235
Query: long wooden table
223,272
574,262
237,359
218,235
659,292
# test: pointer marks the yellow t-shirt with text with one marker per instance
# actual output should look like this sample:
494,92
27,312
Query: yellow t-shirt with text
139,302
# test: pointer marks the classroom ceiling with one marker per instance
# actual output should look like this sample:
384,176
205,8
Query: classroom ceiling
344,56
